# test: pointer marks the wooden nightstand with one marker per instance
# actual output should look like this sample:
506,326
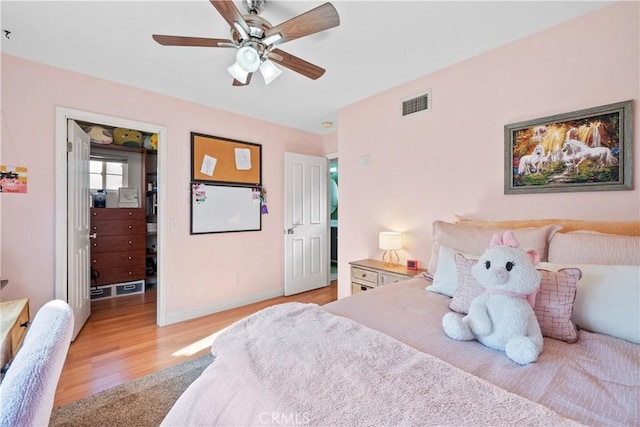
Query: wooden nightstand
13,328
368,274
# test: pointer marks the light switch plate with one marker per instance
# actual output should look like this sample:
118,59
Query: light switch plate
365,161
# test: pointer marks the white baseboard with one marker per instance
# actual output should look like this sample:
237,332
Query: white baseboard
172,318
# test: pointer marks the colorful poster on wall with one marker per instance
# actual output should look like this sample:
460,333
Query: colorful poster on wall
13,179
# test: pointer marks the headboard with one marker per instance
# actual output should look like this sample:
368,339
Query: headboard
625,228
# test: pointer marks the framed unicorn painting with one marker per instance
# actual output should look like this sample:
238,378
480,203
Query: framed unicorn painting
586,150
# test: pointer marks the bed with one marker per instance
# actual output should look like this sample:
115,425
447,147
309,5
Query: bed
381,358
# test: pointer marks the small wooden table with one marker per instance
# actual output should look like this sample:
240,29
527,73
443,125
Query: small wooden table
368,273
14,320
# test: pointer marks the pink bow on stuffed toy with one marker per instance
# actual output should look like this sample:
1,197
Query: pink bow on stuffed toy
507,239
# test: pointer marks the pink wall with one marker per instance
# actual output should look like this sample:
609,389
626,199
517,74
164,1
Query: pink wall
330,142
450,161
200,270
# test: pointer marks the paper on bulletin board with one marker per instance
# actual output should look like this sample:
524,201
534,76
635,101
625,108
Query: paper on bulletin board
13,179
208,165
243,159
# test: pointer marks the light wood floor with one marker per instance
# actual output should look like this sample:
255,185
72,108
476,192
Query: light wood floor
121,341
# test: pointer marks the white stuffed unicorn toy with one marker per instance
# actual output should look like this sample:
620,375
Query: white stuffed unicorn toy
502,317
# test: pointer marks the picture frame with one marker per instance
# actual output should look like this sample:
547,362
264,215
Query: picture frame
225,161
584,150
128,198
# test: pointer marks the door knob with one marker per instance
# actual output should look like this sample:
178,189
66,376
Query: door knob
290,230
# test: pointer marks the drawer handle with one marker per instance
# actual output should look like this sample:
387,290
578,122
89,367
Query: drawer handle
95,244
129,227
95,260
364,274
129,287
364,288
130,273
129,258
95,228
130,214
129,241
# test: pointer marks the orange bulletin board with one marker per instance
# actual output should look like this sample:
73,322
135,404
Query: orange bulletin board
215,159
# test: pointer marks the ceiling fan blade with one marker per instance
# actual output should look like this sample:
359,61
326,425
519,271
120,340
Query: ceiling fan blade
230,13
239,83
192,41
319,19
296,64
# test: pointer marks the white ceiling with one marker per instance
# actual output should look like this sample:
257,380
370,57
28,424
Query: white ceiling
378,45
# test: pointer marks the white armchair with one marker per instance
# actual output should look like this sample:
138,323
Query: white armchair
28,389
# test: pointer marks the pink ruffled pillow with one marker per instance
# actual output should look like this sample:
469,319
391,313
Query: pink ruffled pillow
554,302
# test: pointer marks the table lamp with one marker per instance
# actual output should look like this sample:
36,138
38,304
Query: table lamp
390,241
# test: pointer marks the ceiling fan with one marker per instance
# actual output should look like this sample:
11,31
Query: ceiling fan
255,38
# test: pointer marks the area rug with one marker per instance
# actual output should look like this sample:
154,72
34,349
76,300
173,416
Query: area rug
138,403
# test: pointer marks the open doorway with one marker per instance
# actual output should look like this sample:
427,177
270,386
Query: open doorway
66,284
333,218
122,159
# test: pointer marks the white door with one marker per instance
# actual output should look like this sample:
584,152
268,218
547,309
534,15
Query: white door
78,150
305,223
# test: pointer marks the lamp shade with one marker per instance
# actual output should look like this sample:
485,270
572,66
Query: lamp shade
269,71
238,73
248,58
390,240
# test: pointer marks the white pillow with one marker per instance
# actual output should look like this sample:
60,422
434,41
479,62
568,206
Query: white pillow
445,281
607,299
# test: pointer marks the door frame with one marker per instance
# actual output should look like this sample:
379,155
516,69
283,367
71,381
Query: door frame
330,156
62,115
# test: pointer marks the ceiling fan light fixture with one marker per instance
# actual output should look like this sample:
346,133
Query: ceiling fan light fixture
271,39
248,58
243,34
254,38
269,71
238,73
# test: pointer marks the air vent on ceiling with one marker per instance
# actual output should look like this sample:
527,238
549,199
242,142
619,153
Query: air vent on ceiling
416,103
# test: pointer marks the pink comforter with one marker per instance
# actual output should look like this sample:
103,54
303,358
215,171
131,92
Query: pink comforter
297,364
595,381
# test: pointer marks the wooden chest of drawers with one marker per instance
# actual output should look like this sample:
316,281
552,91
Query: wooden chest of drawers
118,252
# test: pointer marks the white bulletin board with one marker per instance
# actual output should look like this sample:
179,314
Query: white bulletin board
223,208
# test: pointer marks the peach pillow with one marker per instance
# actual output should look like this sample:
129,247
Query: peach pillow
554,302
589,247
475,240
